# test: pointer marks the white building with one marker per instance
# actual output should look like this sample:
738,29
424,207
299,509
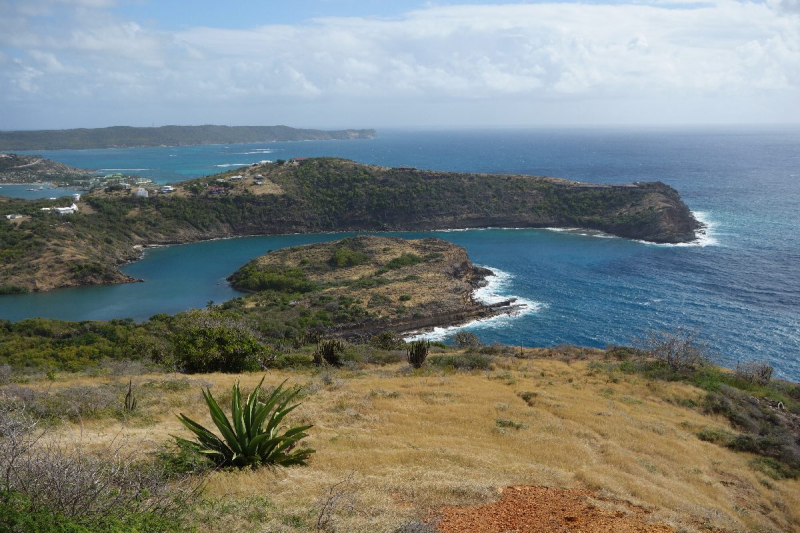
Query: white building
141,193
76,197
167,189
66,210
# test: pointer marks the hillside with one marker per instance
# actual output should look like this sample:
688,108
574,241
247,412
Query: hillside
15,168
507,440
127,137
45,251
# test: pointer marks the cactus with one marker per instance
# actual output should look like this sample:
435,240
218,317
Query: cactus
329,351
130,400
417,352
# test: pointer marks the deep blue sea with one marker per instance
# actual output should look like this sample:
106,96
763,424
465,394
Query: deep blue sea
738,288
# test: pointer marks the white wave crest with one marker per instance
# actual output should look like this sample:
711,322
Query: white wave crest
706,236
224,165
491,293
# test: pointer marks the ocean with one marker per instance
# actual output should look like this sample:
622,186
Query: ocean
737,289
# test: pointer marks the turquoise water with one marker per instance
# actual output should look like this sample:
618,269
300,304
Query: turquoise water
21,191
739,288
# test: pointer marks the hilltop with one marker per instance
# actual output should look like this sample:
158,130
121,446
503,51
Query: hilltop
42,251
15,168
129,137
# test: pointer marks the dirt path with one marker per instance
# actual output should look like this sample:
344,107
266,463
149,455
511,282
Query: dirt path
526,509
28,165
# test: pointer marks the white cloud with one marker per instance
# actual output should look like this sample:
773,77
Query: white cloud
498,56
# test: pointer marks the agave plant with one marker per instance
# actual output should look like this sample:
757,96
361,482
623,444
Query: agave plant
253,437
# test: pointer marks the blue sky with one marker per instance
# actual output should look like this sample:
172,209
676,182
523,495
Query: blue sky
347,63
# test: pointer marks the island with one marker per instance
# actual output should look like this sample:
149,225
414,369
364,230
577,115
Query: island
44,248
131,137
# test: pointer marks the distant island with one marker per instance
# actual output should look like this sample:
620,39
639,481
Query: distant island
130,137
44,248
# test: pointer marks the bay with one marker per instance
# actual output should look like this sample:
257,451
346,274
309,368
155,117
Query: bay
739,288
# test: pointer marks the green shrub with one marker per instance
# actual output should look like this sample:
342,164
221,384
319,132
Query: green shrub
469,361
252,438
403,261
13,289
253,277
388,340
466,339
347,257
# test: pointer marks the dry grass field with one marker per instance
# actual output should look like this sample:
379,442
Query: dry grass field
394,446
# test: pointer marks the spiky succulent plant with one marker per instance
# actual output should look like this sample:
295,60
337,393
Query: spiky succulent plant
253,437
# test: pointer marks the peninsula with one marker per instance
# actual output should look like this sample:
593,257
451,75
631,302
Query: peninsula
42,250
359,287
16,168
129,137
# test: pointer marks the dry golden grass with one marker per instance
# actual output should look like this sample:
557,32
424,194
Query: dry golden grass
416,441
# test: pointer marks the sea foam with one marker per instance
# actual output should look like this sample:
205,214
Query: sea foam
491,293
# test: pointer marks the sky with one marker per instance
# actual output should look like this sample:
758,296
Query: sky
398,64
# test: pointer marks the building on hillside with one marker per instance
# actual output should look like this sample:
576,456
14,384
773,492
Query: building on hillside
236,178
166,189
13,217
66,210
76,197
297,160
141,193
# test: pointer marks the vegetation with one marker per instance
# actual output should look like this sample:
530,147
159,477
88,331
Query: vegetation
252,437
417,352
329,352
765,412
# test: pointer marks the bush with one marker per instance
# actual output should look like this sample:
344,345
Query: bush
211,342
403,261
679,350
417,352
252,437
755,372
55,484
347,257
470,361
467,339
388,340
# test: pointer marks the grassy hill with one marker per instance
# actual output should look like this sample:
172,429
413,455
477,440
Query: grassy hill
402,450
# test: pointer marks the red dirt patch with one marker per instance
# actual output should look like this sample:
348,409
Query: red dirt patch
525,509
